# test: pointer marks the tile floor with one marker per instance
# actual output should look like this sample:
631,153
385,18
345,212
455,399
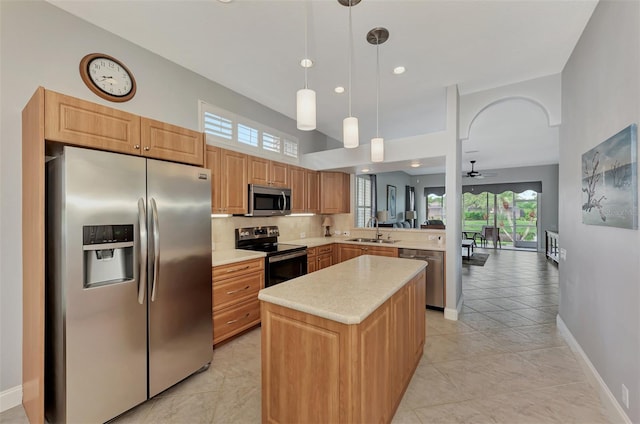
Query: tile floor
502,362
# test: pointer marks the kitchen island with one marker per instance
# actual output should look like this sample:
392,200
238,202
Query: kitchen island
341,344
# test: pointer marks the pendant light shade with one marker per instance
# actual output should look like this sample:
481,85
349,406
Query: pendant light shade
377,149
306,98
377,36
350,135
306,109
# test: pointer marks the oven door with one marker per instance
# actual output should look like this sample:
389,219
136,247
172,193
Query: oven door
269,201
285,266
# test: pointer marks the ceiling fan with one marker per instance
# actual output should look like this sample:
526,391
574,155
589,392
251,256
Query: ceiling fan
475,174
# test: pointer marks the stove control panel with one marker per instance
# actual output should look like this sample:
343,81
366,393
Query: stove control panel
252,233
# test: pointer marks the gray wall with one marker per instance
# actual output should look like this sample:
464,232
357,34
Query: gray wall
398,179
600,278
548,174
42,45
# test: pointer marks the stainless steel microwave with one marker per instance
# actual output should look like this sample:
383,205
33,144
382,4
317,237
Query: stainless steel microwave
269,201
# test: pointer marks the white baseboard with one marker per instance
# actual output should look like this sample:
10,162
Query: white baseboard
10,398
452,314
575,346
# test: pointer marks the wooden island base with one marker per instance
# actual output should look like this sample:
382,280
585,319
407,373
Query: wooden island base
316,369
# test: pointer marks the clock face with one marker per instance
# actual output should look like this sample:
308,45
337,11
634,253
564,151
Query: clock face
107,77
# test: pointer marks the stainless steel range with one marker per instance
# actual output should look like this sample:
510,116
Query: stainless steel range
283,261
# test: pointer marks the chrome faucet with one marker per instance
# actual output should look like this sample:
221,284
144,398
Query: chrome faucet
378,233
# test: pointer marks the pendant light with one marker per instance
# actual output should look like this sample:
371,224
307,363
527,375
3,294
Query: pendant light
350,136
305,97
377,36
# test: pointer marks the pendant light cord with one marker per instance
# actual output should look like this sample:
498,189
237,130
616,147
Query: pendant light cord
377,86
306,41
349,55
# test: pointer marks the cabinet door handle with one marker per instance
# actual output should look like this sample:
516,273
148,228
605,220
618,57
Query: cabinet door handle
147,148
137,147
239,290
237,269
238,319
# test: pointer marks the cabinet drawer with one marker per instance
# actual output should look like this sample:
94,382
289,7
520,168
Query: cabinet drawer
238,268
232,321
235,290
311,252
322,250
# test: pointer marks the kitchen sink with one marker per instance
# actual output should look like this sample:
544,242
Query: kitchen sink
372,240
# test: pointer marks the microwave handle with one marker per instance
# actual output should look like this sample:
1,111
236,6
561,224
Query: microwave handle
284,202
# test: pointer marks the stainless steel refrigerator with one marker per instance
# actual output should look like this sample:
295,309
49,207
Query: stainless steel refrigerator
128,299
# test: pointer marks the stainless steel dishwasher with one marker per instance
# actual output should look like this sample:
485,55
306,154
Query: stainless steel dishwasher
435,274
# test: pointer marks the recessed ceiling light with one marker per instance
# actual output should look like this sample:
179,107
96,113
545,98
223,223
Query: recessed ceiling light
365,169
472,151
399,70
306,63
339,89
225,1
415,165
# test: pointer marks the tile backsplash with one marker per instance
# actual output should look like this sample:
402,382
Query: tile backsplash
291,227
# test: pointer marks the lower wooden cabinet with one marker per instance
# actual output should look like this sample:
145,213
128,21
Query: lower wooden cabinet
319,258
235,297
349,251
318,370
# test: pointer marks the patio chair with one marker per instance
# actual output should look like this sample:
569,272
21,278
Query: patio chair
490,233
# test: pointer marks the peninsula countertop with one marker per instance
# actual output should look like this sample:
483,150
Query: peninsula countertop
407,244
347,292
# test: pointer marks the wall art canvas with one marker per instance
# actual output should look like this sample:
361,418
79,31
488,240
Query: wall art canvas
610,181
391,201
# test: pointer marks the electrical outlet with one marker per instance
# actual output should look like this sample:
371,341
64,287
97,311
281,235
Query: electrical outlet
303,235
433,237
337,232
625,396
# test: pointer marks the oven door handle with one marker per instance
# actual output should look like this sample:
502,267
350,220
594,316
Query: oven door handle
286,256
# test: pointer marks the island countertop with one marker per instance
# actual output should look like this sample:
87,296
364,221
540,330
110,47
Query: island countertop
347,292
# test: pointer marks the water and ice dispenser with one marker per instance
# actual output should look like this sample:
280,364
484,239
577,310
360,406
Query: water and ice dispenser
108,254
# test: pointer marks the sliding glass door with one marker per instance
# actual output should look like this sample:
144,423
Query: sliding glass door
514,214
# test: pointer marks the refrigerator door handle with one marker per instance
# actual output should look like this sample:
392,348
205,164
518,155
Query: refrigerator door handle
142,273
156,248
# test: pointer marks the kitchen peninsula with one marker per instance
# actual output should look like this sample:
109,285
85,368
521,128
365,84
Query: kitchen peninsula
341,344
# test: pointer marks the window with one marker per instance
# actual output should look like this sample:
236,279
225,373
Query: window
363,200
218,126
436,207
270,142
247,135
223,127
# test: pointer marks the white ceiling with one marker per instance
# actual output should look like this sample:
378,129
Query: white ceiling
254,48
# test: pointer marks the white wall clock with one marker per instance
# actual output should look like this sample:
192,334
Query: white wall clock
107,77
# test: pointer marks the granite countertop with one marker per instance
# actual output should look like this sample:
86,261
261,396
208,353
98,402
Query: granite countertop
407,244
223,257
347,292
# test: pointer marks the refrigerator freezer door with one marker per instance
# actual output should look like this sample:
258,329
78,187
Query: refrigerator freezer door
100,339
179,225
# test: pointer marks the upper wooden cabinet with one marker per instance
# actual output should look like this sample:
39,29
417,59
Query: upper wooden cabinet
305,190
298,183
73,121
268,173
334,192
78,122
160,140
229,187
